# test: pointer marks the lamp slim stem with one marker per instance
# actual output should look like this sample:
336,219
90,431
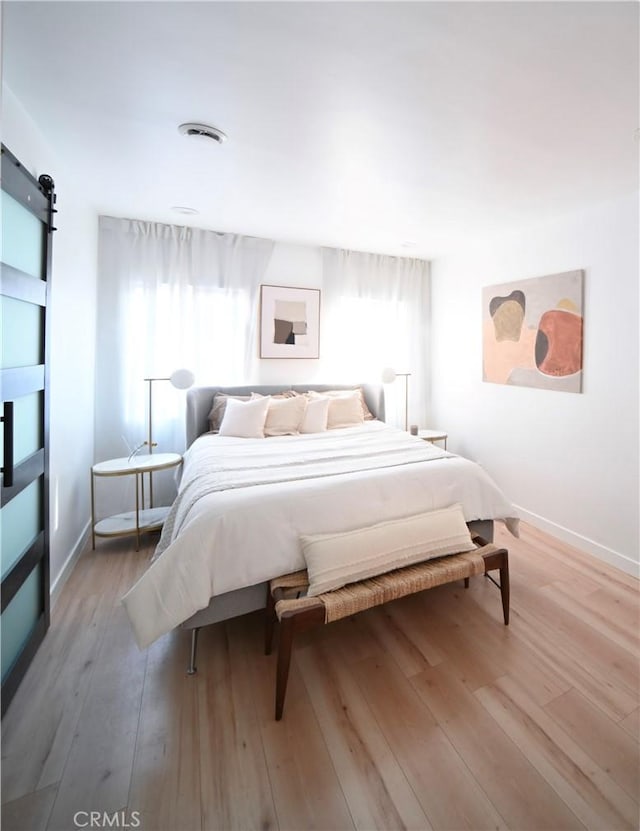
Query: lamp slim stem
150,434
406,402
150,438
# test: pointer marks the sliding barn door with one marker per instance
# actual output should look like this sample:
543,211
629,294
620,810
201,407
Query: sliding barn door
25,252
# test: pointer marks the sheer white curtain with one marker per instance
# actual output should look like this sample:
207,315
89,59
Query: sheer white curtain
169,297
376,314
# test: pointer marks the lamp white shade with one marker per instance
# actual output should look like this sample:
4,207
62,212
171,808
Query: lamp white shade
388,375
182,379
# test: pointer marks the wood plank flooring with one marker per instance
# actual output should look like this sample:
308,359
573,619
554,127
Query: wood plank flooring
425,714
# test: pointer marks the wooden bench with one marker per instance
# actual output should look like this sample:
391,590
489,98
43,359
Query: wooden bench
288,604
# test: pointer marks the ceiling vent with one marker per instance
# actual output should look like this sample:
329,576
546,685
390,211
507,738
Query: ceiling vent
202,131
183,209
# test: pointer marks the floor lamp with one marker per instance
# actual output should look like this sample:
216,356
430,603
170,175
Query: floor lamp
181,379
389,375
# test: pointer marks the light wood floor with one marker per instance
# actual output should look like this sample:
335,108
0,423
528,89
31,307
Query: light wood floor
426,714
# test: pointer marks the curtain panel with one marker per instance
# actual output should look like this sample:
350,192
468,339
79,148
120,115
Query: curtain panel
377,311
169,297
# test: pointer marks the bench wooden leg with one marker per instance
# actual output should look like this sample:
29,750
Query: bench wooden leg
287,626
270,622
499,559
466,582
504,588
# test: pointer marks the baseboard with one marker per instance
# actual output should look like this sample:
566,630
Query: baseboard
585,544
69,563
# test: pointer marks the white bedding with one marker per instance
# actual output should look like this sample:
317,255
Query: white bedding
244,503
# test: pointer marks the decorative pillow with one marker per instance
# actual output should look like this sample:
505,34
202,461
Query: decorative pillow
315,416
368,415
284,415
220,402
345,408
216,413
245,419
283,394
335,560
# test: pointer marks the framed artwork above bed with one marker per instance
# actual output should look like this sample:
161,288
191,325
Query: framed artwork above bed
289,322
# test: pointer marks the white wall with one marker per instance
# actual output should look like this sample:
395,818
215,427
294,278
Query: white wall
72,318
569,461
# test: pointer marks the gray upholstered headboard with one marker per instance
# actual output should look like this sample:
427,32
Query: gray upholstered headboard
200,400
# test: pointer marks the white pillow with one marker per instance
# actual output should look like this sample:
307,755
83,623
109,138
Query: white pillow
315,417
345,409
284,416
368,415
217,410
245,419
334,560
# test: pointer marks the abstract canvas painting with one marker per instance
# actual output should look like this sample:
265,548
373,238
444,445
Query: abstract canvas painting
289,322
532,332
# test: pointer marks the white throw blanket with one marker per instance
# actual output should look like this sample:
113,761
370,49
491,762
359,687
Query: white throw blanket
211,465
243,505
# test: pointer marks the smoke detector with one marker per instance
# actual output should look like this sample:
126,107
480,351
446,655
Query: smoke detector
191,128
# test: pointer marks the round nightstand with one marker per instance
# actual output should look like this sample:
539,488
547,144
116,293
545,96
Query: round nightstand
142,519
433,435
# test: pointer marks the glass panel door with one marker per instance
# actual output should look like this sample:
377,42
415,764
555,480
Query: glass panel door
23,236
20,524
20,619
28,418
26,206
22,333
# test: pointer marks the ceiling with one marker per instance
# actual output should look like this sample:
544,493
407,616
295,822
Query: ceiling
403,128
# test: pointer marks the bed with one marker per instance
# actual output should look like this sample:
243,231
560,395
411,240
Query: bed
243,504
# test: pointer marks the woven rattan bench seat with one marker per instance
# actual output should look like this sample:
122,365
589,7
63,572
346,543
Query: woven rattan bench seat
357,597
295,611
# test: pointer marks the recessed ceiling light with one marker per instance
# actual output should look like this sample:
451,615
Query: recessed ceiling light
408,244
181,209
192,128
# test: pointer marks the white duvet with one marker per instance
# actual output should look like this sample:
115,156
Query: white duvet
243,504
